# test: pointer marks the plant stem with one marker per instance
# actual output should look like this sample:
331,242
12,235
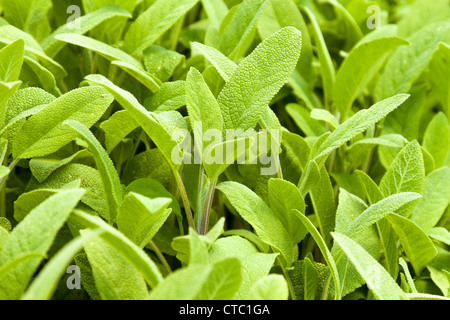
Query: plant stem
160,256
185,199
3,183
204,218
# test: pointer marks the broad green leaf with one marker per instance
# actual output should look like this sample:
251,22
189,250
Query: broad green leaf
266,224
115,277
436,198
11,58
81,25
271,287
171,96
421,14
224,66
406,173
183,284
284,13
325,252
326,116
437,139
377,278
283,197
255,265
439,69
42,168
103,49
236,38
154,22
33,73
162,63
223,281
357,124
90,178
140,217
151,188
44,133
7,90
29,16
302,118
216,11
110,177
146,120
419,248
407,63
203,109
127,249
242,102
310,280
44,285
440,234
152,83
9,34
34,235
353,74
379,210
117,128
322,197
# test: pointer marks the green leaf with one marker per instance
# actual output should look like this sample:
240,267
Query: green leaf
115,277
357,124
236,38
9,34
223,65
203,109
117,128
140,217
406,173
377,278
44,285
34,235
253,210
326,64
152,83
216,11
283,198
310,280
11,58
439,69
353,74
440,234
127,249
171,96
418,247
162,63
103,49
110,178
29,16
407,63
44,133
154,22
255,265
437,139
223,281
242,101
145,119
325,252
271,287
183,284
83,25
436,197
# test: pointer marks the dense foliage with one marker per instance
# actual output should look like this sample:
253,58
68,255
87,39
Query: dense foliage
116,123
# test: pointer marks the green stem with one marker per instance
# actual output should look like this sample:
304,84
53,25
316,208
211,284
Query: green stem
160,256
204,218
3,183
185,199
